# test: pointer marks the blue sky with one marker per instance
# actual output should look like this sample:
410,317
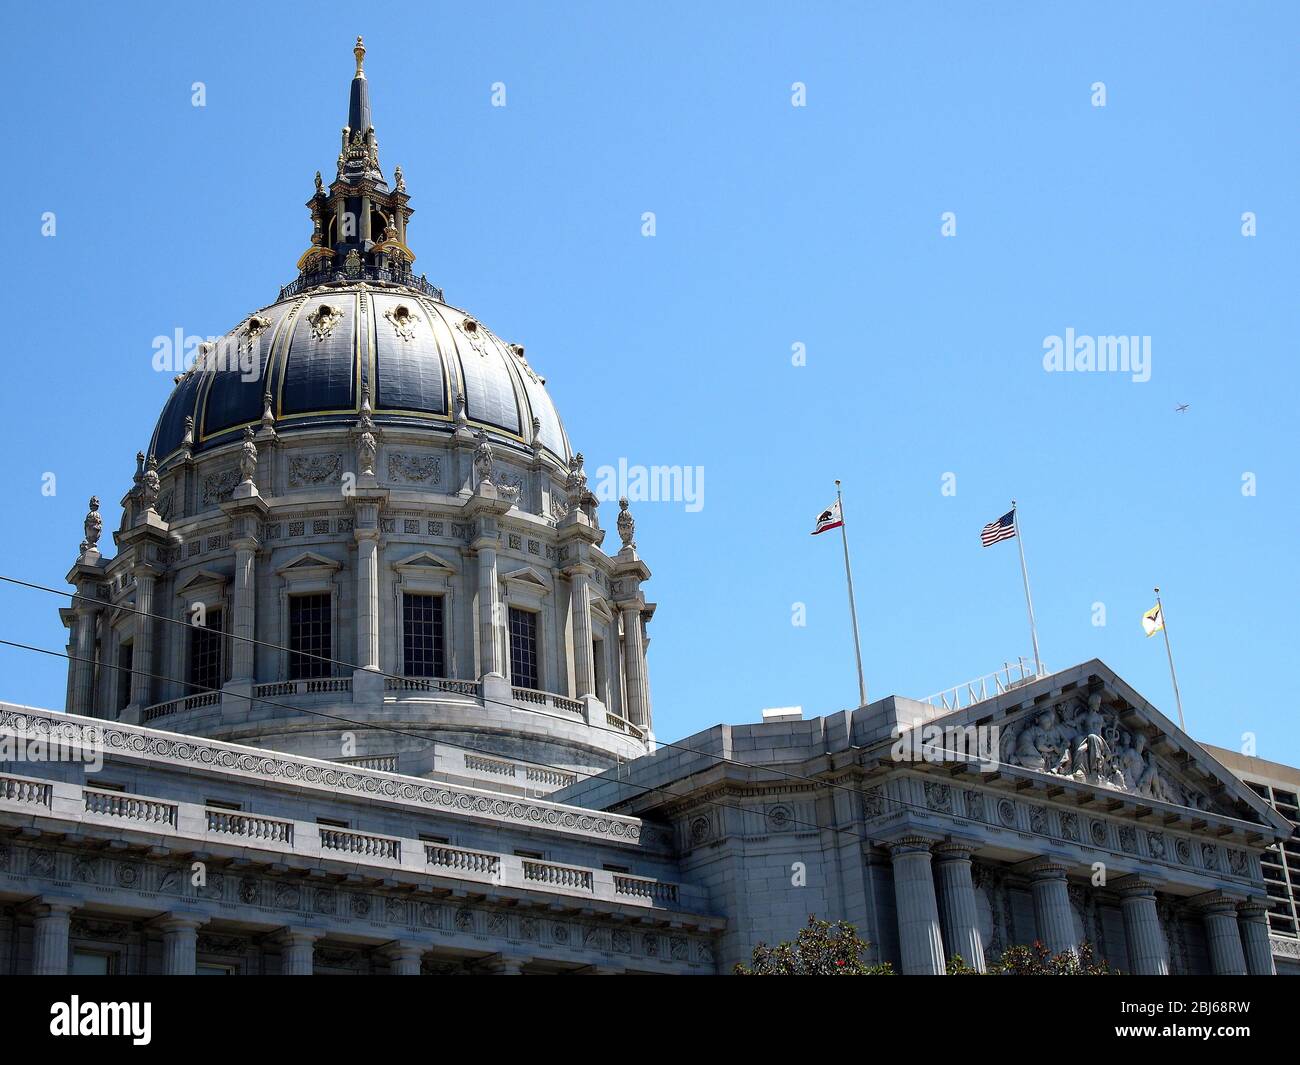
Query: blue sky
775,225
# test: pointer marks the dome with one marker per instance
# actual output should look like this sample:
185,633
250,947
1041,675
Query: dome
308,358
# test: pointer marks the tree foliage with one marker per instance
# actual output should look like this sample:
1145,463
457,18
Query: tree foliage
820,949
1037,960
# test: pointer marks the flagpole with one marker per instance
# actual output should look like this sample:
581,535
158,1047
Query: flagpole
1029,601
853,610
1164,627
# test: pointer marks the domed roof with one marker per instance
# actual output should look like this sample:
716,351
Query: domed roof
315,352
358,320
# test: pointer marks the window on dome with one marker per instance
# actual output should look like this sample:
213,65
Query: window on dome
310,636
206,642
423,641
125,657
523,648
598,661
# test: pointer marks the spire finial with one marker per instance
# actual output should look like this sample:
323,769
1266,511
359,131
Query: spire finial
360,52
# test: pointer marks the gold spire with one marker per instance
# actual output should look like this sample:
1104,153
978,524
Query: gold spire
360,52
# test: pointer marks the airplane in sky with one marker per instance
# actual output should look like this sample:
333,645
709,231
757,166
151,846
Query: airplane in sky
1181,408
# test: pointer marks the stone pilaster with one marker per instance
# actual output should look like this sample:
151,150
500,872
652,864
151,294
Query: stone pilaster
180,935
147,540
298,951
142,666
53,919
960,917
1252,919
367,592
919,939
1052,914
484,507
584,666
245,514
83,669
1219,912
634,664
1148,952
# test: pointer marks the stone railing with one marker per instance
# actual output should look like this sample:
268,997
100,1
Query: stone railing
541,698
432,685
341,839
317,779
29,792
555,777
460,860
562,876
385,763
229,823
185,827
623,725
130,807
187,702
643,888
1284,947
489,765
311,686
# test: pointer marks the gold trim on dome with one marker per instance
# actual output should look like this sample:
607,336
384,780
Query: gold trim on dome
316,251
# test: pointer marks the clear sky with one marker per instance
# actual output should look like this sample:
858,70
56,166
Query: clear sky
775,225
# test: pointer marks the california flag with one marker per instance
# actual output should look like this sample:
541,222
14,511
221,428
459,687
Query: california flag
830,518
1153,621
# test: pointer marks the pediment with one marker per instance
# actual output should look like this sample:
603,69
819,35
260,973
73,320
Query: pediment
200,578
308,560
1088,726
425,562
529,577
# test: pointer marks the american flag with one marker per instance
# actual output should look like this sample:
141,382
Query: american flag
1002,529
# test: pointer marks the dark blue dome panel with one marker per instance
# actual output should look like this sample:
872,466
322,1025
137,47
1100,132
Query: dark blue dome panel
233,398
410,375
171,426
323,358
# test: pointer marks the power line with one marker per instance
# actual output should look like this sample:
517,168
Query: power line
442,686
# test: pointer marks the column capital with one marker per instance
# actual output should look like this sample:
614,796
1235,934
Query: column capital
1254,908
1135,886
299,936
1214,902
954,850
503,964
914,843
1044,867
53,905
180,921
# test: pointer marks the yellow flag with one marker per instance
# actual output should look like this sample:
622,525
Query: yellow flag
1153,621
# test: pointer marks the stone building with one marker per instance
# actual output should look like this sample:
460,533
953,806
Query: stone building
361,691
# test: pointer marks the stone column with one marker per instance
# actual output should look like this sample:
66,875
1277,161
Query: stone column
584,665
404,959
489,614
1052,912
961,931
501,965
50,940
83,669
1253,922
1148,953
1219,912
180,942
634,663
142,646
299,951
367,598
243,608
920,941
